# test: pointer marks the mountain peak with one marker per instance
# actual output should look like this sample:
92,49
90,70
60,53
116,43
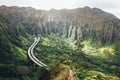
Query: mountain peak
86,7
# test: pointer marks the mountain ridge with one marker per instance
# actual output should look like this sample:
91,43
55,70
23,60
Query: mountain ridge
19,24
74,17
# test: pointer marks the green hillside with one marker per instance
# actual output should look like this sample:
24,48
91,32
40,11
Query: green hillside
84,40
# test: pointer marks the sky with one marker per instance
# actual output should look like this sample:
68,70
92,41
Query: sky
111,6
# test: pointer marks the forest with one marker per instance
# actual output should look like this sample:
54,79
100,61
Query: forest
83,40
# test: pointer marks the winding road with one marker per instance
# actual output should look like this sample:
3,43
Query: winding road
31,54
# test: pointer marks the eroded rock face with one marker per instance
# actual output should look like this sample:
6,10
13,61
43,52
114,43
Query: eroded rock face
75,23
81,23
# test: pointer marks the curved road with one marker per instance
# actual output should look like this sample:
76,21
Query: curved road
32,56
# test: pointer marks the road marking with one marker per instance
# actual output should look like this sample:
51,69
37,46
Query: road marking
31,54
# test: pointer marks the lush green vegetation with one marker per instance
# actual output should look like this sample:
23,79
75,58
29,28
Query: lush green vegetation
53,51
83,40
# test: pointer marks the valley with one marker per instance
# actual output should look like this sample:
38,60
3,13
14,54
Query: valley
81,42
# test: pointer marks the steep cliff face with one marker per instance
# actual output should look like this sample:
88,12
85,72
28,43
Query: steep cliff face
73,24
17,25
76,23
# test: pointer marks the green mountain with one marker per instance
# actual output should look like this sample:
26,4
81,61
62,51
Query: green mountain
85,40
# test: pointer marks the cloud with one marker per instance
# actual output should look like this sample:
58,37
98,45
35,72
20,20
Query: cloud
15,2
99,3
57,4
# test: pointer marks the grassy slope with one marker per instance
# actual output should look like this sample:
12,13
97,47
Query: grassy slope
54,51
18,66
